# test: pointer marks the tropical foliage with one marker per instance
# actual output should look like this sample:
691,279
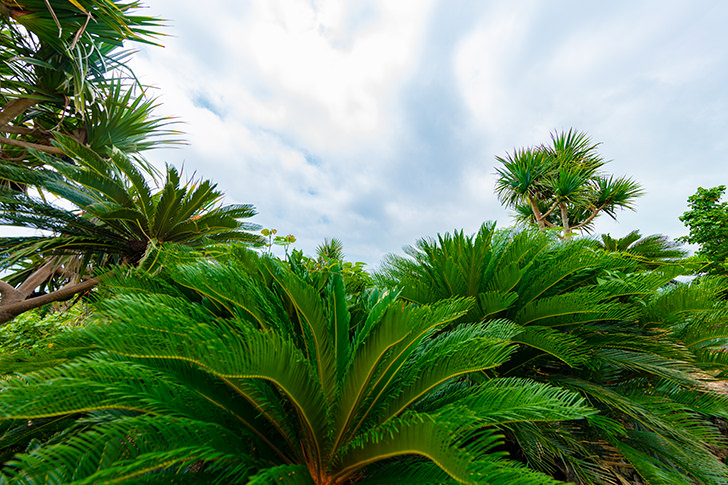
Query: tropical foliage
650,251
62,71
562,185
34,331
637,348
244,369
115,218
506,357
707,220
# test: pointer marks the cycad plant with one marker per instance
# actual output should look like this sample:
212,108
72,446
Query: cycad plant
240,370
115,217
650,252
636,349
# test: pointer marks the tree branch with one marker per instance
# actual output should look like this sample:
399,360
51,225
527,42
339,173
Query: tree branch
17,130
15,108
8,312
594,213
9,293
536,212
37,277
551,210
565,218
36,146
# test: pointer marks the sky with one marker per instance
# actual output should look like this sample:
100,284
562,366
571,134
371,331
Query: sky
378,122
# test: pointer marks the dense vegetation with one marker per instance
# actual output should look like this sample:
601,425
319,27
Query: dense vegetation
150,336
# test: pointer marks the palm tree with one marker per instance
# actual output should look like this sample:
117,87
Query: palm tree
116,218
63,72
330,250
561,185
240,370
636,349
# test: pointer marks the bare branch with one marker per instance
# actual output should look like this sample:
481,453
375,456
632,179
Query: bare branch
17,130
565,218
10,311
551,210
594,213
36,146
15,108
536,212
9,293
37,277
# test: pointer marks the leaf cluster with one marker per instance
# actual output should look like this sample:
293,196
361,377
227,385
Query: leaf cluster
239,369
707,221
63,71
562,185
115,214
630,341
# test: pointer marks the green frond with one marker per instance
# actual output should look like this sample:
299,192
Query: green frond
412,471
509,400
703,401
227,351
664,418
417,435
571,309
674,370
284,475
568,348
616,192
521,174
379,359
310,310
651,469
134,446
468,348
123,118
663,460
604,321
339,320
228,290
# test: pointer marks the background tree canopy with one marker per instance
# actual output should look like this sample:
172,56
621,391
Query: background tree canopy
561,185
707,220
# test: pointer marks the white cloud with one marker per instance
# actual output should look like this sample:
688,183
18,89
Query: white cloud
377,122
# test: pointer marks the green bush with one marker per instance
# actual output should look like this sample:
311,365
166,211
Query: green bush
33,330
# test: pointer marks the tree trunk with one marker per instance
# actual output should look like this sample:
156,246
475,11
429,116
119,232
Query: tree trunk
565,220
537,213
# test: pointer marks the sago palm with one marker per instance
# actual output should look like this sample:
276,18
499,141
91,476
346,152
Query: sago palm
636,350
649,251
240,370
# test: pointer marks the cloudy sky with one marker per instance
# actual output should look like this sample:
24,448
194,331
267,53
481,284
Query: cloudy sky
378,122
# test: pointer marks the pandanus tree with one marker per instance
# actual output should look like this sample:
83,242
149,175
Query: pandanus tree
639,351
241,370
62,72
115,217
562,185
